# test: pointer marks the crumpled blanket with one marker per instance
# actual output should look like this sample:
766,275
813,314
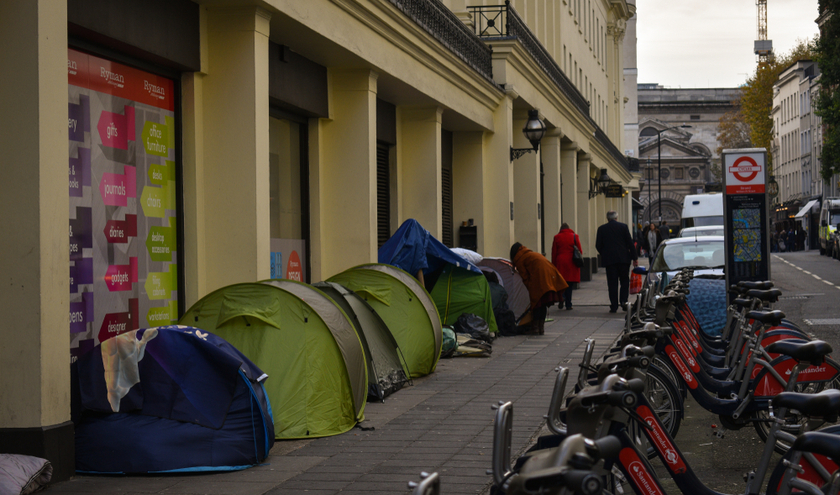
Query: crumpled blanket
22,474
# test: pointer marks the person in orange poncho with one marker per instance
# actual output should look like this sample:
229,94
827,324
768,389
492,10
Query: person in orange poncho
545,284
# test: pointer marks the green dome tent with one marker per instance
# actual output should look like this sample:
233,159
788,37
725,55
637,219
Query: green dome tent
404,306
303,341
458,291
384,358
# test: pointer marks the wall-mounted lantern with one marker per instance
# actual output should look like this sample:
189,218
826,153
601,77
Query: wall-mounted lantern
534,131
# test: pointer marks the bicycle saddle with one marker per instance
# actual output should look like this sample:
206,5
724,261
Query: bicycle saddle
825,403
818,442
767,317
744,303
748,284
813,352
769,295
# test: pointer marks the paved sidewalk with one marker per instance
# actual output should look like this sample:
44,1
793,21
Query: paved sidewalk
442,423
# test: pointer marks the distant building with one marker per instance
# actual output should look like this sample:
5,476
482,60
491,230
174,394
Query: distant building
688,155
796,149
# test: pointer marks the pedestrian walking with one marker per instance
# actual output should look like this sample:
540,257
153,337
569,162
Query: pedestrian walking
562,257
791,240
664,230
638,233
650,241
615,246
544,283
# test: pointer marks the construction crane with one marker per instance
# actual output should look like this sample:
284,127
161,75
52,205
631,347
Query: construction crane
763,46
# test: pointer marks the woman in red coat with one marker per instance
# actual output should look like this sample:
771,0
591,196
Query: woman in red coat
561,256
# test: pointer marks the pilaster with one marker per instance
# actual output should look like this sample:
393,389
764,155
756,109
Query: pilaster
347,172
236,169
419,165
35,266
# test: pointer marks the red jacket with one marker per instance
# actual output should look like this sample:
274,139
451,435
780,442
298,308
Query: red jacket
561,254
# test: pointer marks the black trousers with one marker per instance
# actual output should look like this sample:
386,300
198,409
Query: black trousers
618,274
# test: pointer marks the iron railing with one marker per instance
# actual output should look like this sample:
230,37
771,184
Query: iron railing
501,22
437,20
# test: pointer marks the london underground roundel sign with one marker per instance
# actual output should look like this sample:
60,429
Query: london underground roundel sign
745,173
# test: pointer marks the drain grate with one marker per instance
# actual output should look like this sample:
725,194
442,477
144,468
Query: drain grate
793,297
823,321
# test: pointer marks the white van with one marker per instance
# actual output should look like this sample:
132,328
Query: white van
829,218
702,209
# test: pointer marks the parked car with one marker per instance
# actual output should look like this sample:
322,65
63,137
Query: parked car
702,231
706,255
833,245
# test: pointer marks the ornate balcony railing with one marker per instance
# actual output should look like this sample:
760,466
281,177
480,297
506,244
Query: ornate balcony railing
437,20
503,23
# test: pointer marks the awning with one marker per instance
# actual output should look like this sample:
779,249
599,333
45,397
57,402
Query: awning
806,209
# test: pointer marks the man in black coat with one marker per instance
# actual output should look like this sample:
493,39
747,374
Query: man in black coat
615,246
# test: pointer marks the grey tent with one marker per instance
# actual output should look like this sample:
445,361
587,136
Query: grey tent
385,362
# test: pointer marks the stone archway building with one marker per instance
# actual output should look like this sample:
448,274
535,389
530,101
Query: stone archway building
688,155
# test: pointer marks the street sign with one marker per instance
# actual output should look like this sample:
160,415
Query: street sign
746,220
614,191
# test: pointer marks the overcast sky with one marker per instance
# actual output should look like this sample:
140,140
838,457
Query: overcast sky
709,43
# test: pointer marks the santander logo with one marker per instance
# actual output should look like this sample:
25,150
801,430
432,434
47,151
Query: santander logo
660,438
637,471
678,362
687,355
812,369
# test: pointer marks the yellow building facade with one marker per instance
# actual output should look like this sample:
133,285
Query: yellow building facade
301,134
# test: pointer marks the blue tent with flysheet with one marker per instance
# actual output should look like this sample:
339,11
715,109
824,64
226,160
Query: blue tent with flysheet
168,399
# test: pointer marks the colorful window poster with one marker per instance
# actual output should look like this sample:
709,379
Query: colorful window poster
123,209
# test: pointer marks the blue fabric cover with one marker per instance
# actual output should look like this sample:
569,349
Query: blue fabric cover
412,248
707,300
197,407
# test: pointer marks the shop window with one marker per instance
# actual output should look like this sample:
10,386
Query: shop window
288,198
124,210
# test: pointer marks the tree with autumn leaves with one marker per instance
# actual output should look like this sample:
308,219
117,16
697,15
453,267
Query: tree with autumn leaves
751,125
827,56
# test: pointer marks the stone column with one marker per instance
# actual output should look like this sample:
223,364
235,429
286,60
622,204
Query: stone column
236,170
526,190
552,207
419,165
497,236
598,218
346,191
35,265
569,177
584,216
468,179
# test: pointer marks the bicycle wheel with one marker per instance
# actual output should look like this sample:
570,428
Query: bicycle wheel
809,473
664,365
665,401
793,422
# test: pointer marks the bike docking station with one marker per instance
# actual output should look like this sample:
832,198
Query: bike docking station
745,217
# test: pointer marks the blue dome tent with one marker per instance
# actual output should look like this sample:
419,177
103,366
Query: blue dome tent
169,399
